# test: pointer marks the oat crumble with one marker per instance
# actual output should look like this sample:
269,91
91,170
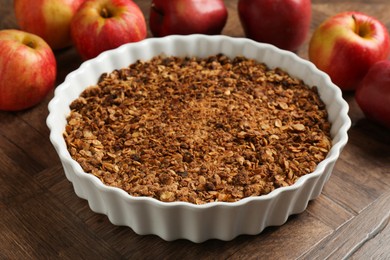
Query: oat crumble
198,130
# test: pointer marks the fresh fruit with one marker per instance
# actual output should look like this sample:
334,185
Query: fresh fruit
49,19
373,94
346,45
283,23
28,70
101,25
187,17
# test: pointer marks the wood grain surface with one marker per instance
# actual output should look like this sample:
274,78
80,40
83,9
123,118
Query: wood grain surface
42,218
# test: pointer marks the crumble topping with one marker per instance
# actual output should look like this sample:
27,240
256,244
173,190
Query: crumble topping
198,129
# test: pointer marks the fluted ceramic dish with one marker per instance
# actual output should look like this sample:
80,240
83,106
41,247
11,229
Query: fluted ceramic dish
182,220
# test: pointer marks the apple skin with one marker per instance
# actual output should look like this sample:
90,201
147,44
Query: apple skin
346,45
101,25
283,23
28,70
49,19
373,94
187,17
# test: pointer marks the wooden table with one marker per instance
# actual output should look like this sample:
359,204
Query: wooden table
41,217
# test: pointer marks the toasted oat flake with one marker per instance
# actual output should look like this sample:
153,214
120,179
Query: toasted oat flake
198,130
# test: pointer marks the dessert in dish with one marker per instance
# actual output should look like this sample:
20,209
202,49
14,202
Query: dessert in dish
198,130
186,220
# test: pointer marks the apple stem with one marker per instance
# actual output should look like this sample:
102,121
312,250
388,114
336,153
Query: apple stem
30,44
105,13
360,30
153,6
356,24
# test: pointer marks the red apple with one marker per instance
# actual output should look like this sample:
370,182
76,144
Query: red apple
49,19
283,23
373,94
28,70
187,17
101,25
346,45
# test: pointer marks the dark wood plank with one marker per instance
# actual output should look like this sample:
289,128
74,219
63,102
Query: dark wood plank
354,186
34,225
356,233
303,231
15,182
22,159
35,144
329,212
377,244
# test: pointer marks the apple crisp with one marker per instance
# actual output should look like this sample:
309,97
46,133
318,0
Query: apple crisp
198,129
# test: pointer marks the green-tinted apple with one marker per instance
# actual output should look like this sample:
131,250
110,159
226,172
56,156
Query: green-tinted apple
346,45
28,70
49,19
